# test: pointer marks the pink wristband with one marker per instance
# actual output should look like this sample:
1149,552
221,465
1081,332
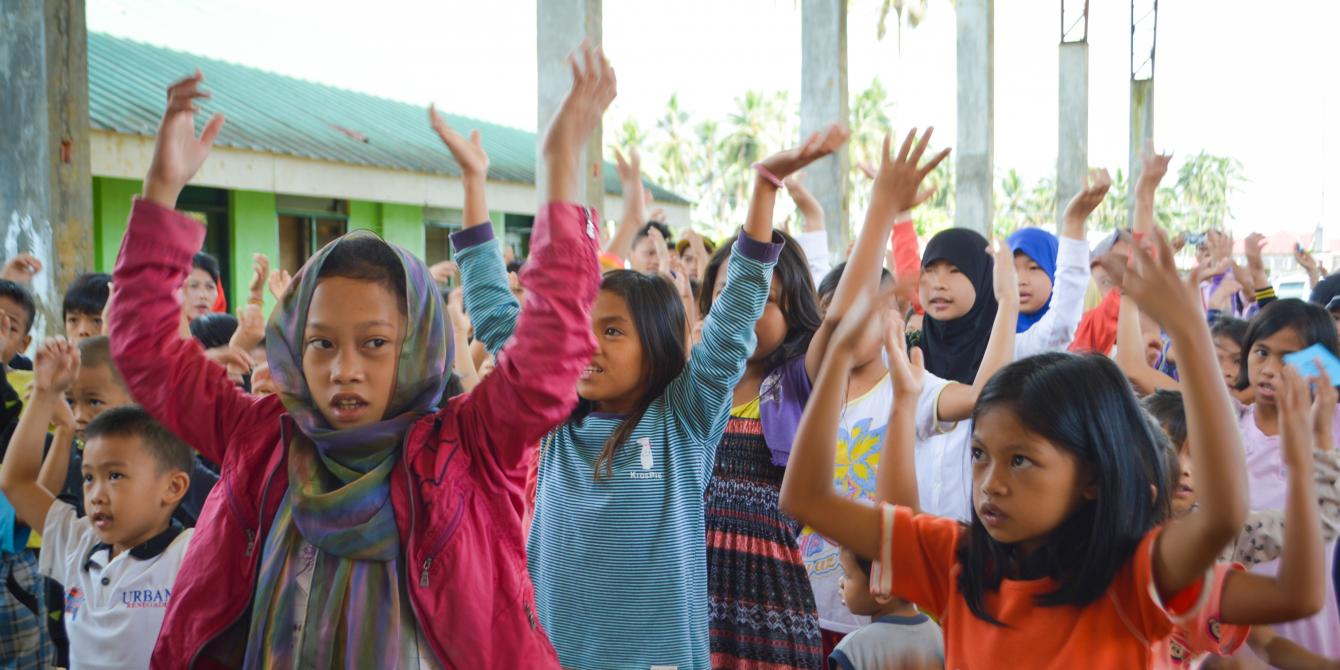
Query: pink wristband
768,175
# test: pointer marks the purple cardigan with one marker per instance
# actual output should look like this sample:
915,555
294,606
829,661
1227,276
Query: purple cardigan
781,402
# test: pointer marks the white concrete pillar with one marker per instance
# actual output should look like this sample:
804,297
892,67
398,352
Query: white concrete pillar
1072,142
560,27
973,149
823,100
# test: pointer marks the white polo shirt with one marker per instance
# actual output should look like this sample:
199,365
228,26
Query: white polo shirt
114,607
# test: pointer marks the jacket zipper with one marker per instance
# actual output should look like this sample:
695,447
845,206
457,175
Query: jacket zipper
441,541
251,548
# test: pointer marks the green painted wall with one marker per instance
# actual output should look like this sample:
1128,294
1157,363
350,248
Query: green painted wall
499,224
364,215
111,210
254,228
403,225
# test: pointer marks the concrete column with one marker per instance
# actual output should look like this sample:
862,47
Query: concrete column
823,100
1072,144
561,25
973,168
1142,128
46,201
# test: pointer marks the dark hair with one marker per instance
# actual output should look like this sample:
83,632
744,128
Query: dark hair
516,265
1310,321
1325,290
206,262
1166,407
87,294
861,562
96,352
214,329
658,315
795,297
132,421
368,258
828,285
1085,405
646,230
24,297
1233,329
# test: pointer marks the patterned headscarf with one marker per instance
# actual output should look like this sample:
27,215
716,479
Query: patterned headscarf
339,500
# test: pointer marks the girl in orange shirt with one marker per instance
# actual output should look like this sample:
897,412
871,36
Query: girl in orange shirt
1062,560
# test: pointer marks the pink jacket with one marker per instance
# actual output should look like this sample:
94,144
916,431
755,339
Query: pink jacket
457,493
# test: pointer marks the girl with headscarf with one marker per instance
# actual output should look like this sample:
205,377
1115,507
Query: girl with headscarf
363,519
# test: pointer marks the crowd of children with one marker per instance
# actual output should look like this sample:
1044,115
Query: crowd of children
632,452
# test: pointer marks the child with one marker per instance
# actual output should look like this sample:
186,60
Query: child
897,635
1048,318
617,546
119,562
645,257
16,302
83,305
1062,561
1281,328
406,508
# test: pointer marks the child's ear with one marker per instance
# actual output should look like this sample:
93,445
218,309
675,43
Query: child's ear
27,340
177,485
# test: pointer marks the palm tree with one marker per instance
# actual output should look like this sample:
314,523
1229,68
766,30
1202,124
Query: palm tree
1204,183
676,148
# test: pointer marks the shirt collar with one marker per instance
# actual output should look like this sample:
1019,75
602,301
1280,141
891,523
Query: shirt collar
144,551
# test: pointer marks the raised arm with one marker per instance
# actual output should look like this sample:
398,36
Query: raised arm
54,370
488,298
896,480
957,400
1189,545
1155,165
807,486
717,362
1131,353
813,239
167,375
532,388
897,189
1298,588
634,204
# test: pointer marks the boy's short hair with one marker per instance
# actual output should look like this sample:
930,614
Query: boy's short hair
24,297
87,294
1166,407
828,285
96,352
645,230
861,562
132,421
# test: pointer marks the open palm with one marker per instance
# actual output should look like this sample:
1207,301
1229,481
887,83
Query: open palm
178,152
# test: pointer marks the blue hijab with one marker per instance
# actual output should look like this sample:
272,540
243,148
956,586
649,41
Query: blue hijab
1042,247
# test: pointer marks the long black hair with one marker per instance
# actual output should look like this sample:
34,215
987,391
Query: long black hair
1310,321
795,297
659,318
1085,405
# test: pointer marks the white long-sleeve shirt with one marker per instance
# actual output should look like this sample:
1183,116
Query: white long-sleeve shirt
1056,329
815,245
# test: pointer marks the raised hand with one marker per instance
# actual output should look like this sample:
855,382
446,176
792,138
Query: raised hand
469,154
1222,296
260,271
630,171
250,328
178,153
1096,184
908,371
443,271
279,281
56,366
783,163
1150,278
1296,419
234,360
593,89
1324,397
1154,166
460,321
1305,258
1004,277
898,182
22,268
662,251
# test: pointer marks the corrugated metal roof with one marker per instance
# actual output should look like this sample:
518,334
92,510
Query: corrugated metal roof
279,114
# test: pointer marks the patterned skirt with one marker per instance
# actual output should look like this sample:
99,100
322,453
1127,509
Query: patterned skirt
762,608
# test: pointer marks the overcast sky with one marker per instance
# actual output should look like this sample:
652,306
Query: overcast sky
1233,77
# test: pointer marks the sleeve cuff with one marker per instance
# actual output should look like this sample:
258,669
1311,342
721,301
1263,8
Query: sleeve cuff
763,252
471,237
163,234
1072,253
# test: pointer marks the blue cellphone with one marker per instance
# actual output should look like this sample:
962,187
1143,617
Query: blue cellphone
1306,362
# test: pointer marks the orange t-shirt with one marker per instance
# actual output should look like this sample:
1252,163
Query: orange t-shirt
1116,631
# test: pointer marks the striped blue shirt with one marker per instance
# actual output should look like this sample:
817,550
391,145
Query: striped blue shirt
620,565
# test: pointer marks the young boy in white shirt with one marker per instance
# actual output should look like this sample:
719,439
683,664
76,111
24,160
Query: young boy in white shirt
117,563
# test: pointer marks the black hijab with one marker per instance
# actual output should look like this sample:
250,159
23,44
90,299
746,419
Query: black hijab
954,349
